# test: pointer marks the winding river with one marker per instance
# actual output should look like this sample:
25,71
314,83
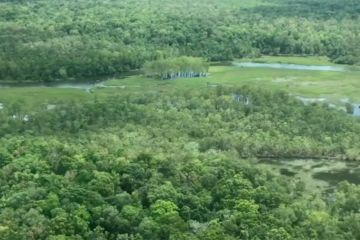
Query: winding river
83,85
87,86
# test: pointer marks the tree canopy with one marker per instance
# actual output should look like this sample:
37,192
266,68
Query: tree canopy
172,166
88,39
170,68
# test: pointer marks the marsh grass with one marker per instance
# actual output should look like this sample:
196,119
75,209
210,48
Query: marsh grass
331,85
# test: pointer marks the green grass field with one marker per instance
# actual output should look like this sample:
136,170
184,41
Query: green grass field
321,61
333,86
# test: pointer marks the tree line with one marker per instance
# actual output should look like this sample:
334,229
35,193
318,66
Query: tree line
78,40
171,68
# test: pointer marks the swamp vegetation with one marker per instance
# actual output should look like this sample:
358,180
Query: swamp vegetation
173,166
86,154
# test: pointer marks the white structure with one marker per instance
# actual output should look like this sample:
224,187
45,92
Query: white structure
357,110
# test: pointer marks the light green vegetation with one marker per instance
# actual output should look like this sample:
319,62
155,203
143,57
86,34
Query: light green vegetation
122,147
316,174
314,60
172,68
40,95
160,166
333,86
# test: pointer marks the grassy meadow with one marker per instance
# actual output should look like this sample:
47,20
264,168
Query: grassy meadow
331,85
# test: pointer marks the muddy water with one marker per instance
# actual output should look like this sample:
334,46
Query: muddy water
316,174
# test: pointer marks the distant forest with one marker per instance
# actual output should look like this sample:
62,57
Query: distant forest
73,40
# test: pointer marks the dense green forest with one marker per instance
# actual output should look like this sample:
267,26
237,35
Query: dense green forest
140,158
172,166
44,40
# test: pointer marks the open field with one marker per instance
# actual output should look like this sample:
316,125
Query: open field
321,61
333,86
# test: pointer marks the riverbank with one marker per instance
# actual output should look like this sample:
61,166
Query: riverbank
330,85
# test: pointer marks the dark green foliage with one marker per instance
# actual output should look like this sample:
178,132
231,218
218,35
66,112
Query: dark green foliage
82,40
268,124
170,166
171,68
174,165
